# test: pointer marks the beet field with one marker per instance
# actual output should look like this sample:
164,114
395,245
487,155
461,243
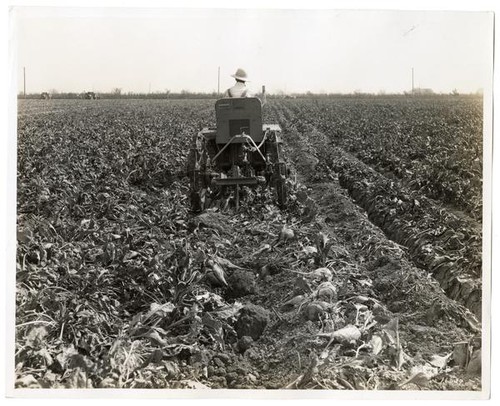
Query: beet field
370,278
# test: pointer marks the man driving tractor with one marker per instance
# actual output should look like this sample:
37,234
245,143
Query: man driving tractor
240,89
241,151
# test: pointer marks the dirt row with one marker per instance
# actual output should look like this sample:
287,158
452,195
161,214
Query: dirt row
444,243
447,251
365,264
369,272
432,145
377,290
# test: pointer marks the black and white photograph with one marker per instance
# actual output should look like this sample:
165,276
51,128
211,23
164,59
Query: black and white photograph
250,200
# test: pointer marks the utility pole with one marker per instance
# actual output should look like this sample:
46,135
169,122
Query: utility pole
412,81
24,79
218,81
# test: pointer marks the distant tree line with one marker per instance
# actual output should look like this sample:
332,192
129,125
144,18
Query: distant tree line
184,94
118,94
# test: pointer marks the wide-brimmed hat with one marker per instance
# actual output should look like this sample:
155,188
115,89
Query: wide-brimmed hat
241,75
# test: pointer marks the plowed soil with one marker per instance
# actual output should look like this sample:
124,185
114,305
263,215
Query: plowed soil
115,287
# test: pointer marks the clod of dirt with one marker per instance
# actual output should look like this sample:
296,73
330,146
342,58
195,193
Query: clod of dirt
301,286
435,312
240,369
218,382
244,343
218,362
201,357
231,378
219,371
224,358
216,221
172,369
210,371
252,321
474,367
252,378
381,314
293,302
241,283
270,269
460,353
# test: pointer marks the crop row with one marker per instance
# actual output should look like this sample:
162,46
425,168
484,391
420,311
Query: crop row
101,220
433,144
446,245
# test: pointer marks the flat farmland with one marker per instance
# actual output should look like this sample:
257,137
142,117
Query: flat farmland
113,287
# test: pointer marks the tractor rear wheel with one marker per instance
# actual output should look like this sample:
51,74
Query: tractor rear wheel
193,173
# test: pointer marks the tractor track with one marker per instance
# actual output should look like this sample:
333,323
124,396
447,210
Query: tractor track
366,262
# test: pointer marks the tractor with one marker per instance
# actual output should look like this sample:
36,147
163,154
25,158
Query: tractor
89,96
240,151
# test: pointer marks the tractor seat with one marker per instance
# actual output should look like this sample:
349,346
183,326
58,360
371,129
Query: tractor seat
236,116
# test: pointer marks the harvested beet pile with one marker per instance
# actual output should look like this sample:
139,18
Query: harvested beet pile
119,286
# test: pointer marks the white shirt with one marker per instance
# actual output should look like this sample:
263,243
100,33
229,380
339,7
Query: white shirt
238,90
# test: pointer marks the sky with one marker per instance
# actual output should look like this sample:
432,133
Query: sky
142,50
